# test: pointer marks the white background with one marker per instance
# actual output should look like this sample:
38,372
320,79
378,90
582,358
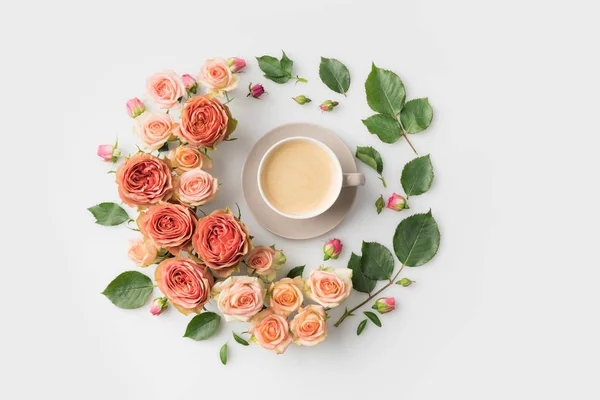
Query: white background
507,309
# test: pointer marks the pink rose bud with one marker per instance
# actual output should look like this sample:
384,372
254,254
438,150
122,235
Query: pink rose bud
332,249
109,152
135,107
385,305
255,91
236,64
190,83
328,105
396,202
159,305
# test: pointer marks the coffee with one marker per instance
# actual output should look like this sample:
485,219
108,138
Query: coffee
299,177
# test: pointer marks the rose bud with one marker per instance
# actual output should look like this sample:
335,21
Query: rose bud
302,99
109,152
159,305
405,282
332,249
236,64
135,107
396,202
255,91
385,305
328,105
190,83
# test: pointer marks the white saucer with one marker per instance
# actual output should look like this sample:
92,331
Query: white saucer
297,228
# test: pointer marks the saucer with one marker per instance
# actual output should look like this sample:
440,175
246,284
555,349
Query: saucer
297,228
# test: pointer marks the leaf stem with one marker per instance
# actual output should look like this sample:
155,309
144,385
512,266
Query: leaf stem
382,180
405,135
371,296
298,79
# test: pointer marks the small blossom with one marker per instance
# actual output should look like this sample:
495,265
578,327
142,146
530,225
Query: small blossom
190,83
332,249
159,305
396,202
385,305
109,152
328,105
236,64
255,91
135,107
405,282
302,99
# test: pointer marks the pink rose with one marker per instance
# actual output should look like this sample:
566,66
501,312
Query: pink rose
205,122
185,158
308,326
270,331
396,202
385,305
190,83
186,284
135,107
239,298
285,296
142,251
154,129
105,151
332,249
221,241
236,64
159,305
144,180
168,225
329,286
165,88
196,187
216,75
265,261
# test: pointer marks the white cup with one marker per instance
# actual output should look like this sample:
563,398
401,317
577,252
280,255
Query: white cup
341,179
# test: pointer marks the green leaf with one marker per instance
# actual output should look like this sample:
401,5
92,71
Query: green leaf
359,281
296,271
109,214
377,261
223,354
385,91
371,157
164,148
417,239
417,176
374,318
232,124
379,204
361,327
335,75
385,127
129,290
278,79
203,326
286,63
416,115
271,66
239,339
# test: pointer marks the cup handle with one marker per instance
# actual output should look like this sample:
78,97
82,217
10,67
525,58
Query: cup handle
353,179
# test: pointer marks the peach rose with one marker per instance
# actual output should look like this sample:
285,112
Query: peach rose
185,158
196,187
265,261
239,298
144,180
205,122
309,326
186,284
329,286
165,88
285,296
168,225
221,241
270,331
142,251
216,75
154,129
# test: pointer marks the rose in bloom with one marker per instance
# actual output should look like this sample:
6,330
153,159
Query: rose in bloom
204,122
186,284
385,305
144,180
239,298
265,261
135,107
196,187
165,88
142,251
216,75
328,286
185,158
332,249
159,305
221,241
236,64
309,326
396,202
168,225
189,83
285,296
270,331
154,129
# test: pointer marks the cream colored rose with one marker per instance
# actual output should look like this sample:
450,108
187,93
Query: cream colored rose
165,88
308,326
216,75
196,187
270,331
154,129
239,298
185,158
264,261
142,251
328,286
285,296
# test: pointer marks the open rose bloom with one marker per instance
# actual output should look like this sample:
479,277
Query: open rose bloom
285,296
205,122
142,251
144,180
195,187
270,331
185,158
328,286
154,129
217,77
308,326
165,88
265,261
239,298
168,225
